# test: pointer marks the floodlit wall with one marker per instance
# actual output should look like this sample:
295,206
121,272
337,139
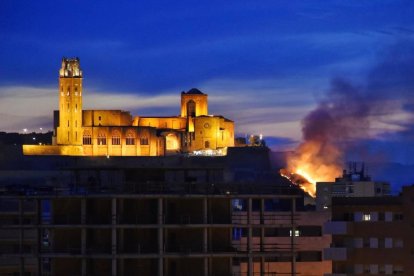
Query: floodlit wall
106,118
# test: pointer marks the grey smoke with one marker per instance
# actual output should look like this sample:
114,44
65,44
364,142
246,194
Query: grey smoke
345,116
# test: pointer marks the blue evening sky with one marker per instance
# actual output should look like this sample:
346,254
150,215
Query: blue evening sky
265,64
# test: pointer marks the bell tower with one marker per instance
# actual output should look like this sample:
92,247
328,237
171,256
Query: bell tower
69,130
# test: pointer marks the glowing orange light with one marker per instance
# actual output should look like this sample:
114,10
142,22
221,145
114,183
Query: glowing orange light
313,162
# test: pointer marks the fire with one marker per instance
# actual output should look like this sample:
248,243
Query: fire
313,162
306,184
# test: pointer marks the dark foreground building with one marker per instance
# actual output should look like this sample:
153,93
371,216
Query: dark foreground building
172,215
372,235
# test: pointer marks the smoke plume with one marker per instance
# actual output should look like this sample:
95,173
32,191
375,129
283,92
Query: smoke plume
349,115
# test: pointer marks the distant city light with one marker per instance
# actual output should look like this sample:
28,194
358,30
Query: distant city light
25,130
34,138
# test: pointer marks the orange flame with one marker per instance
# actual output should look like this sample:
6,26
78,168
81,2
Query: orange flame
300,180
314,162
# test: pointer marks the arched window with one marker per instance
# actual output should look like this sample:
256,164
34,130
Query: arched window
172,142
101,138
144,141
87,138
130,138
191,108
116,138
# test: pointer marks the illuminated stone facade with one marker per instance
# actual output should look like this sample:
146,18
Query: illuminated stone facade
117,133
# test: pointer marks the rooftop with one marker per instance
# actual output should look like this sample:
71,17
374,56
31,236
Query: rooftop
193,91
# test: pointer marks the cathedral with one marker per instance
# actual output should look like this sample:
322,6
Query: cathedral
81,132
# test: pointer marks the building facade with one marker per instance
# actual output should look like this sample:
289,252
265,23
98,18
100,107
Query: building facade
116,133
372,236
169,215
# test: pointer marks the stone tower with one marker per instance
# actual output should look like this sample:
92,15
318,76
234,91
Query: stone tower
193,103
69,131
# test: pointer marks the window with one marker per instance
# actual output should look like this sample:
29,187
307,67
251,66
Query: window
297,233
207,144
398,269
87,138
373,269
388,269
388,216
130,139
101,139
309,256
366,243
116,138
388,243
366,217
373,242
310,231
144,141
367,268
398,216
191,108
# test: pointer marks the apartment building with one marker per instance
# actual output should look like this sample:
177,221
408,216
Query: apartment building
172,215
372,235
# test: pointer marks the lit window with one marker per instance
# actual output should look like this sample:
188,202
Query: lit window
366,217
297,233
